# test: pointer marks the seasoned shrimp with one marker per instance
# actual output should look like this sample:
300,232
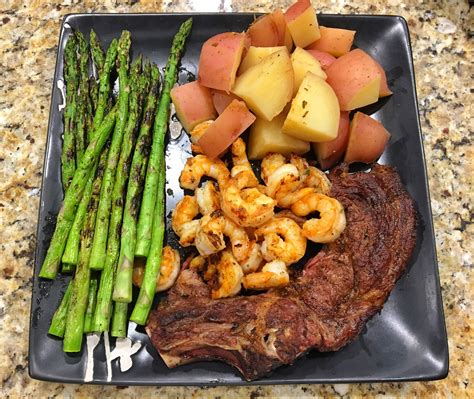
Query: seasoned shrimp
254,259
331,223
211,232
197,133
286,200
283,239
182,220
283,181
311,176
247,207
270,163
241,163
199,166
272,275
169,270
229,277
207,198
198,263
199,130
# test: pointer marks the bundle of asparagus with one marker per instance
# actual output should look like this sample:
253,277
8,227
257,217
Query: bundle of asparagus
111,150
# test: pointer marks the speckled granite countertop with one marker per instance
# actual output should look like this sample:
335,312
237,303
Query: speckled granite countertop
443,54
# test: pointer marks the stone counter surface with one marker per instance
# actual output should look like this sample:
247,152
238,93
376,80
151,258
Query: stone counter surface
442,40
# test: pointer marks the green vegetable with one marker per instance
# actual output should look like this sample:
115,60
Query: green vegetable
103,214
68,154
73,195
145,220
153,262
58,322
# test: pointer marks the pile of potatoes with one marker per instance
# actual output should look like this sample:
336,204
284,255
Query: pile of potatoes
293,83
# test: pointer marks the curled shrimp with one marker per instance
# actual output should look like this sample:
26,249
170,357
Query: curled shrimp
270,163
241,163
182,220
207,198
283,240
211,232
199,166
311,176
169,270
272,275
228,274
283,181
254,259
331,223
247,207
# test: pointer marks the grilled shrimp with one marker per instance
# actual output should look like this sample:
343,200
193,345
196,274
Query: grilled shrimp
283,181
197,133
331,223
241,163
283,239
197,263
229,277
272,275
247,207
169,270
211,232
270,163
311,176
182,220
207,198
199,166
254,259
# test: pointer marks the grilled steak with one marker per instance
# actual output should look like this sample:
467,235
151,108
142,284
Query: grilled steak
324,308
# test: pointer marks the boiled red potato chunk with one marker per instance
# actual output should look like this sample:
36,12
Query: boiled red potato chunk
283,31
356,78
367,139
303,62
263,32
254,55
325,59
329,153
267,136
302,22
334,41
268,86
221,100
314,113
229,125
193,104
384,90
219,60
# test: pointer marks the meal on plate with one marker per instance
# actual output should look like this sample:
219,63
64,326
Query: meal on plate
280,247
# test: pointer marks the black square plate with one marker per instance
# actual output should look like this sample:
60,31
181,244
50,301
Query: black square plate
406,341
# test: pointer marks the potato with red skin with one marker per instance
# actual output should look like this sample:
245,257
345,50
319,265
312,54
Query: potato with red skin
193,104
263,32
229,125
302,23
334,41
329,153
367,139
283,31
325,59
221,100
384,90
220,57
355,78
